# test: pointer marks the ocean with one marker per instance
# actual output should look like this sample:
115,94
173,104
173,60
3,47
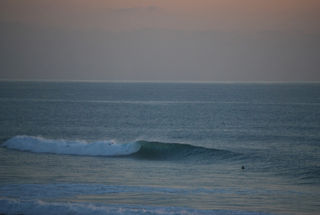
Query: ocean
159,148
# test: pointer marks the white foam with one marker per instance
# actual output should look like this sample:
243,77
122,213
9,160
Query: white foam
42,145
53,191
64,199
11,206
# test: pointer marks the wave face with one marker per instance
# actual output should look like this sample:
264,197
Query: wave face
139,149
177,151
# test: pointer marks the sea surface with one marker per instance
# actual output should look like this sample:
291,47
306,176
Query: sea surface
159,148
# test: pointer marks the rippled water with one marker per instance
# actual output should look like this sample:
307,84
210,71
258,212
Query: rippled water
159,148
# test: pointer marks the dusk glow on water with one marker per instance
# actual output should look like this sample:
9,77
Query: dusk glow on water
160,107
156,148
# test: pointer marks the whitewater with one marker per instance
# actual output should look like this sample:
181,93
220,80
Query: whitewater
159,148
42,145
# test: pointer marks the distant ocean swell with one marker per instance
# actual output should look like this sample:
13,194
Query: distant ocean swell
137,149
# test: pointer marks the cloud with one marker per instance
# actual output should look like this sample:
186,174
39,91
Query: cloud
136,10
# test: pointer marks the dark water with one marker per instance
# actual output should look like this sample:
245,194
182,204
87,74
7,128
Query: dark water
159,148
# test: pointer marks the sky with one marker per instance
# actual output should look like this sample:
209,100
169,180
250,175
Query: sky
160,40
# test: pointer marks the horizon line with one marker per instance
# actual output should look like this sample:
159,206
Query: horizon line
156,81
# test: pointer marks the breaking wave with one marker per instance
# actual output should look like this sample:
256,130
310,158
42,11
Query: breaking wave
42,145
137,149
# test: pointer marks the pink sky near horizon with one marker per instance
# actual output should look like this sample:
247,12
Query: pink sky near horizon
171,40
229,15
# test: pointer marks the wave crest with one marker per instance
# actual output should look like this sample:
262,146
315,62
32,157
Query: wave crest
138,149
